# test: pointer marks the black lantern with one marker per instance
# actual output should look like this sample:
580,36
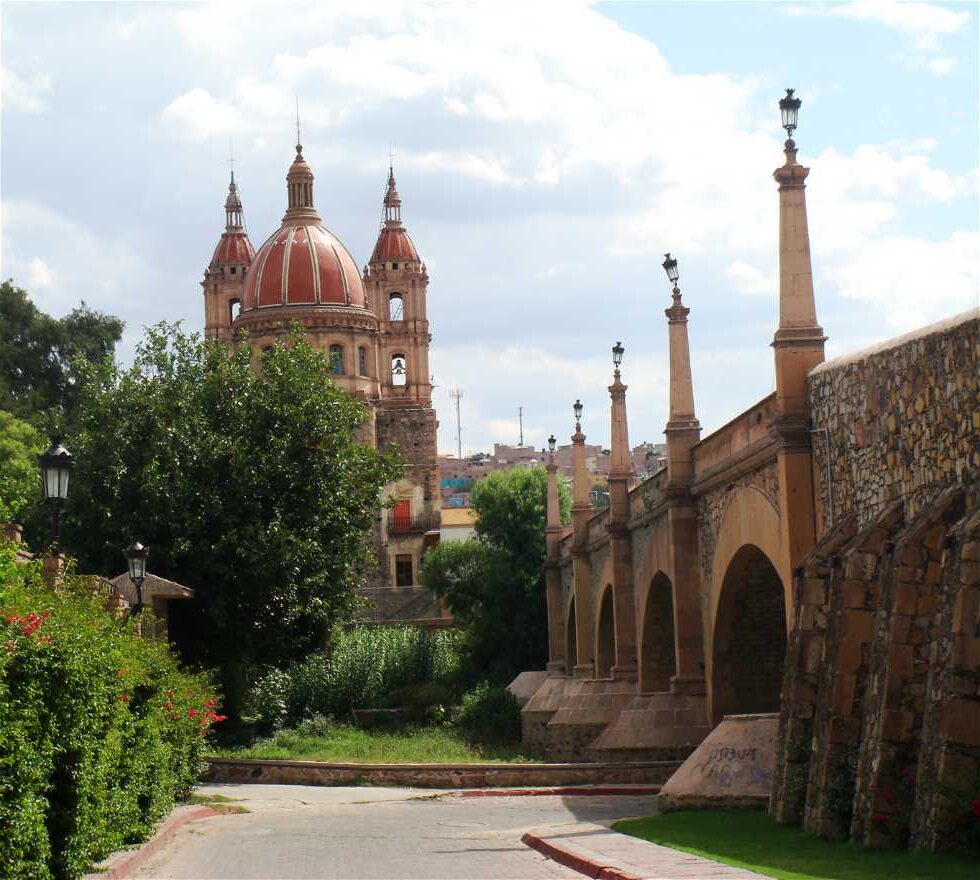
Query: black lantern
618,354
670,267
789,109
552,443
56,465
578,410
136,555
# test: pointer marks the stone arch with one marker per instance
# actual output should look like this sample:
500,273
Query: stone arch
658,662
399,370
748,644
571,648
234,309
605,638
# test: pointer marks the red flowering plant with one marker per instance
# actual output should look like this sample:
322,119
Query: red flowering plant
961,814
95,739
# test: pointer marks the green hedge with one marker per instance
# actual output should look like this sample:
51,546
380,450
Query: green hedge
490,715
364,665
100,732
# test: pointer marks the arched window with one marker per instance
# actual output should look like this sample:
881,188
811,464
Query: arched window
396,307
362,361
399,373
234,310
336,359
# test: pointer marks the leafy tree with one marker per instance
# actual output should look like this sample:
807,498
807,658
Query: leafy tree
248,486
20,484
36,353
495,582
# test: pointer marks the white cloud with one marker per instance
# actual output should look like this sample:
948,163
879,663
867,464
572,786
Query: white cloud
39,274
25,94
200,115
751,280
923,23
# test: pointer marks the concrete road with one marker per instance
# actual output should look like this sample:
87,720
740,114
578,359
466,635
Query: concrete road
293,832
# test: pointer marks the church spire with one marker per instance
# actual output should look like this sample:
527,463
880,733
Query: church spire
393,202
233,208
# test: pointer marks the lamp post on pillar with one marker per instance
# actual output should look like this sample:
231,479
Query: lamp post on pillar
552,572
620,477
798,347
581,566
683,431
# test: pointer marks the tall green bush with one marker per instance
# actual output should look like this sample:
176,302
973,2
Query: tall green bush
99,730
363,665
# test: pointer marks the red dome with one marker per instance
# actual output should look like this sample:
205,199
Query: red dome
234,247
302,265
394,243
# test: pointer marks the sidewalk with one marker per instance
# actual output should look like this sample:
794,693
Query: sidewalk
598,852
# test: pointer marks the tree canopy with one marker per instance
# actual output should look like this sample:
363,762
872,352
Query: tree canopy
495,583
20,485
36,353
248,485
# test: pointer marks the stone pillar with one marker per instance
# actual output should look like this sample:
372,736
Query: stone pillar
581,567
798,347
683,431
552,575
620,544
52,568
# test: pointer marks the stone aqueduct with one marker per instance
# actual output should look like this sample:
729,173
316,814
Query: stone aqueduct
756,572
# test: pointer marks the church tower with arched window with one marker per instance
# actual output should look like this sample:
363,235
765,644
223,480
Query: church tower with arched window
374,331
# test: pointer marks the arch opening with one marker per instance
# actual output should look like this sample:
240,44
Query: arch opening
605,654
749,644
362,361
399,374
571,648
657,655
396,307
337,359
234,310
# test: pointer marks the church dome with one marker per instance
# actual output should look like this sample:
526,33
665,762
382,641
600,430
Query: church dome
394,243
302,263
234,246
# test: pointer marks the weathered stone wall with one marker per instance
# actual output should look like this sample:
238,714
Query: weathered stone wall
880,719
898,421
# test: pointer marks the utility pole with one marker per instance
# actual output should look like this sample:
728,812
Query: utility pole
456,394
520,420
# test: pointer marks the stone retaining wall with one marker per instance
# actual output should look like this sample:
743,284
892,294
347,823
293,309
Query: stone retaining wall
437,775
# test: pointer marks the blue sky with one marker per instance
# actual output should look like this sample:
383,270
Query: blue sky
547,154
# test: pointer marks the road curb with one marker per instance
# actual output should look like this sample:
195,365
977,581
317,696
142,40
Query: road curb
563,791
590,867
132,861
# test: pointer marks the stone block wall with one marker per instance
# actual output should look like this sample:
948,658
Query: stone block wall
898,421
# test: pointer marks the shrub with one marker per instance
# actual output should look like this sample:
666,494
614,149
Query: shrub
364,666
490,714
99,730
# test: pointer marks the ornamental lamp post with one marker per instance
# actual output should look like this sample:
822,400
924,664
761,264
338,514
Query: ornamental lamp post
552,443
670,267
789,110
56,464
577,407
617,352
136,555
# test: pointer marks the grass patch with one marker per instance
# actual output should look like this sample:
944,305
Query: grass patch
341,743
750,839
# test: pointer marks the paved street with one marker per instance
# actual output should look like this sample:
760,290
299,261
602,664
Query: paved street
293,832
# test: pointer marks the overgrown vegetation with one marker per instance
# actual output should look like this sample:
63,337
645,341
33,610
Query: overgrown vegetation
490,714
495,584
321,739
99,730
750,839
249,486
366,667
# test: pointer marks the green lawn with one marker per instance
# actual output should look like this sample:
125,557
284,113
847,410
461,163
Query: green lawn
750,839
343,743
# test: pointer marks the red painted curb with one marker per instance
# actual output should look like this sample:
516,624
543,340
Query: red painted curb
583,865
606,790
166,831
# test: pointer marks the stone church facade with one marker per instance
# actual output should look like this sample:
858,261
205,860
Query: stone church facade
373,327
817,558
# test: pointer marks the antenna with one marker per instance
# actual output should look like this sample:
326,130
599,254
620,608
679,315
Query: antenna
456,394
299,140
520,420
391,156
231,158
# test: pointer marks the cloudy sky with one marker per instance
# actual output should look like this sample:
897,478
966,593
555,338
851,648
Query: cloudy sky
547,153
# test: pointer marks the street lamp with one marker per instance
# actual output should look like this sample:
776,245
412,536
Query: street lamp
618,354
578,411
552,443
670,267
789,109
136,555
56,464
